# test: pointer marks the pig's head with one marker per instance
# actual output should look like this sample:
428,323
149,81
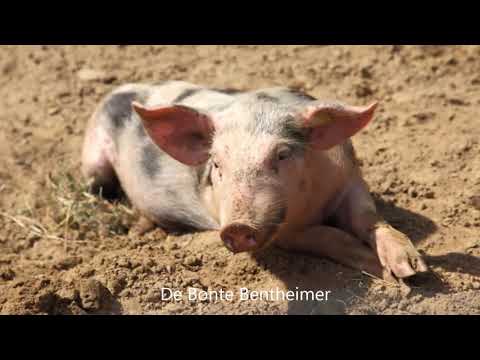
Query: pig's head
254,151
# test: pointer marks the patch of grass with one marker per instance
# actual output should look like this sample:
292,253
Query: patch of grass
77,209
68,212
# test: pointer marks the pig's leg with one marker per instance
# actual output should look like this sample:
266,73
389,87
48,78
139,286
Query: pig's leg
142,226
97,156
335,244
357,214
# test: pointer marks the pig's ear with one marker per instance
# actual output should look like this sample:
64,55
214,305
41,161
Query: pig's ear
333,123
182,132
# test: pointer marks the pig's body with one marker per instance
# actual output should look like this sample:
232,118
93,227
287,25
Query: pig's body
318,188
161,188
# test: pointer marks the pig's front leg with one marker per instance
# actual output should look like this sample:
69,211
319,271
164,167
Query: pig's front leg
142,226
357,214
335,244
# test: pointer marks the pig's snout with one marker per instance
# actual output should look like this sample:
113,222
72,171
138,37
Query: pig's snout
239,237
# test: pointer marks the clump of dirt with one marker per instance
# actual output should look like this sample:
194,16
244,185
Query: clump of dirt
63,251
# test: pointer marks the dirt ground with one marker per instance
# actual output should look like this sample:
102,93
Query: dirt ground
63,251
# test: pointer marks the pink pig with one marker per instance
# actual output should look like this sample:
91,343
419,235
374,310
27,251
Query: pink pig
268,166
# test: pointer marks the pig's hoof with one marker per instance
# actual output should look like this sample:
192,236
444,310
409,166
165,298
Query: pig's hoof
143,226
397,253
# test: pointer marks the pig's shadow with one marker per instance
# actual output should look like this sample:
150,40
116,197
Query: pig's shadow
416,226
456,262
430,284
304,272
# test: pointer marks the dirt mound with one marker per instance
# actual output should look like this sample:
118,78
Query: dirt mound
63,251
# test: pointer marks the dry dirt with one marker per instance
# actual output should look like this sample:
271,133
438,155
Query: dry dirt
65,252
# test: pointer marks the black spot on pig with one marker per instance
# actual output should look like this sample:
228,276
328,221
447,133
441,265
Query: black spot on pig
185,94
149,161
265,97
141,133
300,94
293,132
228,91
119,107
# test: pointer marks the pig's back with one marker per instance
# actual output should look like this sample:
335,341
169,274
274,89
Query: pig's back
159,186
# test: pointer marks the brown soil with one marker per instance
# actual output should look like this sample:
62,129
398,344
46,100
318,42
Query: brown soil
65,252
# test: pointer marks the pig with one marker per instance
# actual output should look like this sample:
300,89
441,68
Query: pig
269,166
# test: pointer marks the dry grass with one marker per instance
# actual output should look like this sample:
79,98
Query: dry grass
71,213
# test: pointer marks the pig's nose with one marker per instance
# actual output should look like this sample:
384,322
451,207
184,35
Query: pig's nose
239,237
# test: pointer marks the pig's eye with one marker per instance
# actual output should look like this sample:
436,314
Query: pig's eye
215,165
284,153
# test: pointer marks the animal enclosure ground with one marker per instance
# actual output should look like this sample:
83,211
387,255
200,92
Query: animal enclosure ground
63,251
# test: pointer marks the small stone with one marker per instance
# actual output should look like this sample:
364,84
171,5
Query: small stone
91,292
95,75
429,194
416,298
109,79
193,261
87,272
67,263
363,91
9,66
475,81
54,111
46,302
457,101
382,305
7,274
173,246
424,116
117,285
412,192
396,49
366,73
452,61
172,308
403,304
125,263
90,75
68,294
475,201
153,296
64,93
